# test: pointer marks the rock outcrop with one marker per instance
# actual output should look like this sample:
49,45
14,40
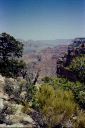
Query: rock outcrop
11,114
74,50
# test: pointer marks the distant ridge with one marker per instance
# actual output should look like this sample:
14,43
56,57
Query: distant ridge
38,45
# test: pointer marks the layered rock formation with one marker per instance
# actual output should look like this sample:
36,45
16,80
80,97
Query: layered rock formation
75,49
46,60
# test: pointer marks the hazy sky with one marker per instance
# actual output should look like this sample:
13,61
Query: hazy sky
43,19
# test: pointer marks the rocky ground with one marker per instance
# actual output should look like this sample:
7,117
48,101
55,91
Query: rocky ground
11,114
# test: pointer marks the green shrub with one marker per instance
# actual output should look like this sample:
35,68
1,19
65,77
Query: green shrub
46,79
79,94
80,121
56,106
26,108
77,88
78,66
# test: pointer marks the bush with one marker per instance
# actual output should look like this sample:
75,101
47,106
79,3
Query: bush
79,93
78,66
77,88
80,121
46,79
26,108
56,106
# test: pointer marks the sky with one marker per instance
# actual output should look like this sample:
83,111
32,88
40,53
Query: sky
43,19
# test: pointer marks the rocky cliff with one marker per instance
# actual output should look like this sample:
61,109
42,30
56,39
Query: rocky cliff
75,49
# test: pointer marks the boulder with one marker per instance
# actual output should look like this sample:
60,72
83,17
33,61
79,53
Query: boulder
11,87
2,83
17,108
20,118
18,125
3,125
2,79
28,119
1,104
23,95
15,118
4,96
